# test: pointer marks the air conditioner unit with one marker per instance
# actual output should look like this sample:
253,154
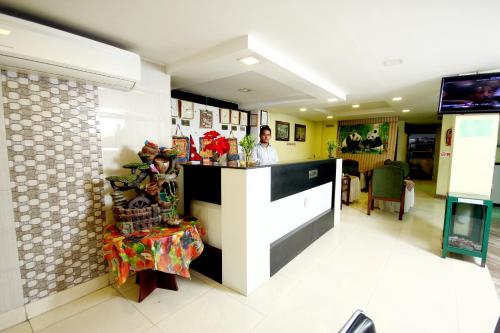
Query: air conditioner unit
30,46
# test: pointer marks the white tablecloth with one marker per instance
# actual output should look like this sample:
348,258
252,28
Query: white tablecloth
394,206
355,190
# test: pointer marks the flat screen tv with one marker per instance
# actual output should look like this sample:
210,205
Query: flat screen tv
470,94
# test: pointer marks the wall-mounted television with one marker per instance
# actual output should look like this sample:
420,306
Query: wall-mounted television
477,93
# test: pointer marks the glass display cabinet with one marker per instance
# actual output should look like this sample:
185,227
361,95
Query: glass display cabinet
467,225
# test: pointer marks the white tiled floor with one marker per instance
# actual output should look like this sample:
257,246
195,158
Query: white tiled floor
390,269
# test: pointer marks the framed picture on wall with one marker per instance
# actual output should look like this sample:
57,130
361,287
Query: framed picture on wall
185,122
253,120
187,110
174,108
264,118
300,133
203,143
282,131
225,117
235,117
206,119
243,118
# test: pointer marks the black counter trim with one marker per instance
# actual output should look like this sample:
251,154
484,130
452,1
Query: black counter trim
289,179
201,183
209,263
284,249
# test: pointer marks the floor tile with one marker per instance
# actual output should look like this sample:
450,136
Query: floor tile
114,315
49,318
163,303
24,327
215,311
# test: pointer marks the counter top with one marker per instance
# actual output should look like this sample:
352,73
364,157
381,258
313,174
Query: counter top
282,163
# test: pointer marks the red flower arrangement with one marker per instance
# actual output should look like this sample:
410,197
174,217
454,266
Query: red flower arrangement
218,144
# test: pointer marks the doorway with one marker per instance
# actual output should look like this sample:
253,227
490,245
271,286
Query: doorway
421,155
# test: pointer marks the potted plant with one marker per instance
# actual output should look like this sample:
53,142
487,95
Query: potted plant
331,146
247,144
218,145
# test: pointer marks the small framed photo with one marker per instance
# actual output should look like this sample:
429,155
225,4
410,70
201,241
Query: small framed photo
300,133
243,128
243,118
224,127
187,110
203,143
264,118
235,117
174,107
206,119
224,115
174,121
184,122
282,131
254,120
234,128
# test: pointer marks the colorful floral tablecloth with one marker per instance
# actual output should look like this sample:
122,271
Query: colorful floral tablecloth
165,249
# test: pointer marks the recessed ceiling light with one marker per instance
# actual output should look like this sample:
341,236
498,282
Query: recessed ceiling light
329,117
355,106
332,99
396,99
4,32
302,109
393,62
405,110
245,90
249,60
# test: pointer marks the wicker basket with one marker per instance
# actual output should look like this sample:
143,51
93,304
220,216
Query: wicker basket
137,219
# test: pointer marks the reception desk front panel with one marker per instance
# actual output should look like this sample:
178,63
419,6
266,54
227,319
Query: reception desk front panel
268,214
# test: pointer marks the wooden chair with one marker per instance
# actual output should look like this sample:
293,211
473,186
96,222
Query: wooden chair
387,184
350,167
346,188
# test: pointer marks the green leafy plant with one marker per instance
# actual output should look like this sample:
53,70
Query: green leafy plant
247,144
331,146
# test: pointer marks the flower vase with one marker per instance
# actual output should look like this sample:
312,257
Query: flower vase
216,158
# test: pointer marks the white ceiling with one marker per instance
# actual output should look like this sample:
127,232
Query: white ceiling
345,43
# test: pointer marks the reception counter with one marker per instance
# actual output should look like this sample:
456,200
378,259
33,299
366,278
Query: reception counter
257,219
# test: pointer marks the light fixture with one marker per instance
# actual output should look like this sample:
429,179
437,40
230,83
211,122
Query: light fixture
249,60
397,99
302,109
405,110
355,106
329,117
4,32
244,90
393,62
332,99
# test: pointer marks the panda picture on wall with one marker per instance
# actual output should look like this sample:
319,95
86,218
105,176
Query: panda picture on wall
373,141
371,138
351,143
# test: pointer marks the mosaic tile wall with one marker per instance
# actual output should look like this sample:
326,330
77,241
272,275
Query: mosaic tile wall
55,163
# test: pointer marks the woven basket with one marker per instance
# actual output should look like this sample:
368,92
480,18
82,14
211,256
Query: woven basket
137,219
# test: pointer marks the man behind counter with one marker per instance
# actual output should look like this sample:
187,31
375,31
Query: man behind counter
263,152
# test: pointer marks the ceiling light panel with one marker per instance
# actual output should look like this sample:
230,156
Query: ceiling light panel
405,110
397,99
302,109
249,60
355,106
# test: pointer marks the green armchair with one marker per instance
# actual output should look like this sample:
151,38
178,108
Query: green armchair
387,184
403,165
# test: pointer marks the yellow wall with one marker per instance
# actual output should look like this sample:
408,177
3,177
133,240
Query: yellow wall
329,133
291,150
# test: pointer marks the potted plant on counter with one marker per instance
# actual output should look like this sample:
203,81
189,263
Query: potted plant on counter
247,144
331,146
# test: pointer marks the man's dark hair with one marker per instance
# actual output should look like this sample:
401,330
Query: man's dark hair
264,128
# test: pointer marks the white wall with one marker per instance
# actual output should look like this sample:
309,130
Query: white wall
194,125
474,149
10,276
128,118
444,169
402,142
